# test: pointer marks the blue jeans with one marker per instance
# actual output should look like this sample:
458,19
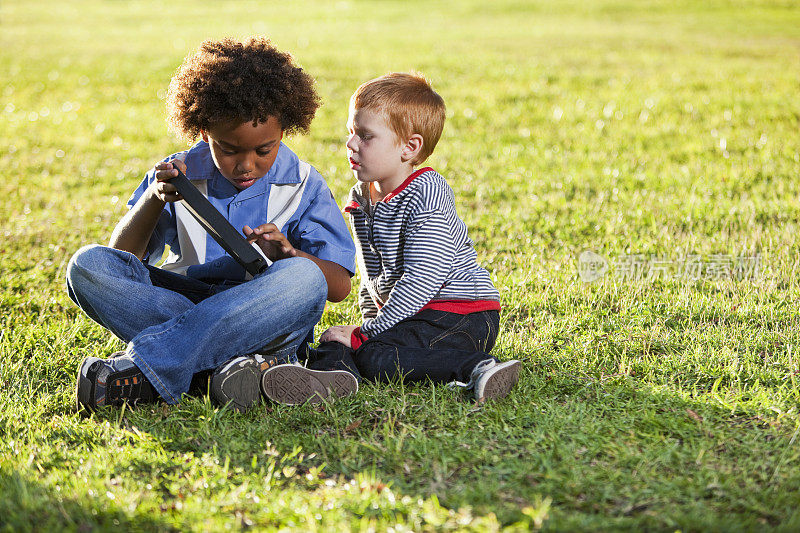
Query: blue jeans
177,326
432,345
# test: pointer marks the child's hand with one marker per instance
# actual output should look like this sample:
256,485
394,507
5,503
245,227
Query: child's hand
165,191
272,242
340,334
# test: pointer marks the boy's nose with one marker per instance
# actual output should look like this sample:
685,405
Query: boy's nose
246,165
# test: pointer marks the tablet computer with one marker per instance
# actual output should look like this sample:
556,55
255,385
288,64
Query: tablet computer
231,240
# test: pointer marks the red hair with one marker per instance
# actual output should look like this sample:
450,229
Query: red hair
409,105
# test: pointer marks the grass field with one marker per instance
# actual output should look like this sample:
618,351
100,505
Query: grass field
650,129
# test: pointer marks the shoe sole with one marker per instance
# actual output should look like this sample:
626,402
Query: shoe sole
295,385
501,382
237,386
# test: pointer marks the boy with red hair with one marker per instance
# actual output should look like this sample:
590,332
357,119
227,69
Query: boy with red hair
430,311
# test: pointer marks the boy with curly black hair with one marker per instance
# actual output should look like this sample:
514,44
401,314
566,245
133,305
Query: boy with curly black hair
198,311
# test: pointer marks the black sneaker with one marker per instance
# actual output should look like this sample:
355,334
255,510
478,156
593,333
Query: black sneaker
235,383
111,382
267,361
292,384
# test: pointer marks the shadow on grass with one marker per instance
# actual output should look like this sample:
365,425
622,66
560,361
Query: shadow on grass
606,452
28,505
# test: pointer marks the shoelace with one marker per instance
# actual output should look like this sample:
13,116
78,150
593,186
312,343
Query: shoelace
476,372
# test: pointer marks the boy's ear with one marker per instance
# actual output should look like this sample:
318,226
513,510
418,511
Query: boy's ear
412,147
204,135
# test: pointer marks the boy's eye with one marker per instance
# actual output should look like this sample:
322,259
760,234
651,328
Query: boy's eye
263,153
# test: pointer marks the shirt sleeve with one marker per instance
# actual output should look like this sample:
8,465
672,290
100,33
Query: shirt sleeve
428,254
365,302
322,231
165,232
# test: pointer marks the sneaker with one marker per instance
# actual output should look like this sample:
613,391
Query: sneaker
292,384
267,361
235,383
111,382
492,380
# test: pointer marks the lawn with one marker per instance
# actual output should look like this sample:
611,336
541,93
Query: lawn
664,137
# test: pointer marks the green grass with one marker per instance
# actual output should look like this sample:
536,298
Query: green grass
656,128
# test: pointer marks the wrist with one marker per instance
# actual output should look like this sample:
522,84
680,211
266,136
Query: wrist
357,338
152,197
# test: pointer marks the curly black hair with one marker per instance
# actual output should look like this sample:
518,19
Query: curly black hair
229,80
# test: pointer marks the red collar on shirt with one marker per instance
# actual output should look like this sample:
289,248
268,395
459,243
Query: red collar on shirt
404,184
355,205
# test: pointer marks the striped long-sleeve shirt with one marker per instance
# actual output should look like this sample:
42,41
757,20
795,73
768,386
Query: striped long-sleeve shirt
414,253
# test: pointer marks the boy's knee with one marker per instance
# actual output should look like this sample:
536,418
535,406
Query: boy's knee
83,261
306,277
91,259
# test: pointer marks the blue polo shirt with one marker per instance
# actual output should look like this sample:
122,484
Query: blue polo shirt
292,195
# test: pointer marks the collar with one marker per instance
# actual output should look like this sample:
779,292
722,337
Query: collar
405,184
360,194
200,166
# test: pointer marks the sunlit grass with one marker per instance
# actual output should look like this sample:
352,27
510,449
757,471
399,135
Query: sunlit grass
656,128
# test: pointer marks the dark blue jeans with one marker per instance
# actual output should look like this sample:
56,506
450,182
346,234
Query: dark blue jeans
432,345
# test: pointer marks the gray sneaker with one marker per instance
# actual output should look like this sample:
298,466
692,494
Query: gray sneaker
235,383
492,380
292,384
